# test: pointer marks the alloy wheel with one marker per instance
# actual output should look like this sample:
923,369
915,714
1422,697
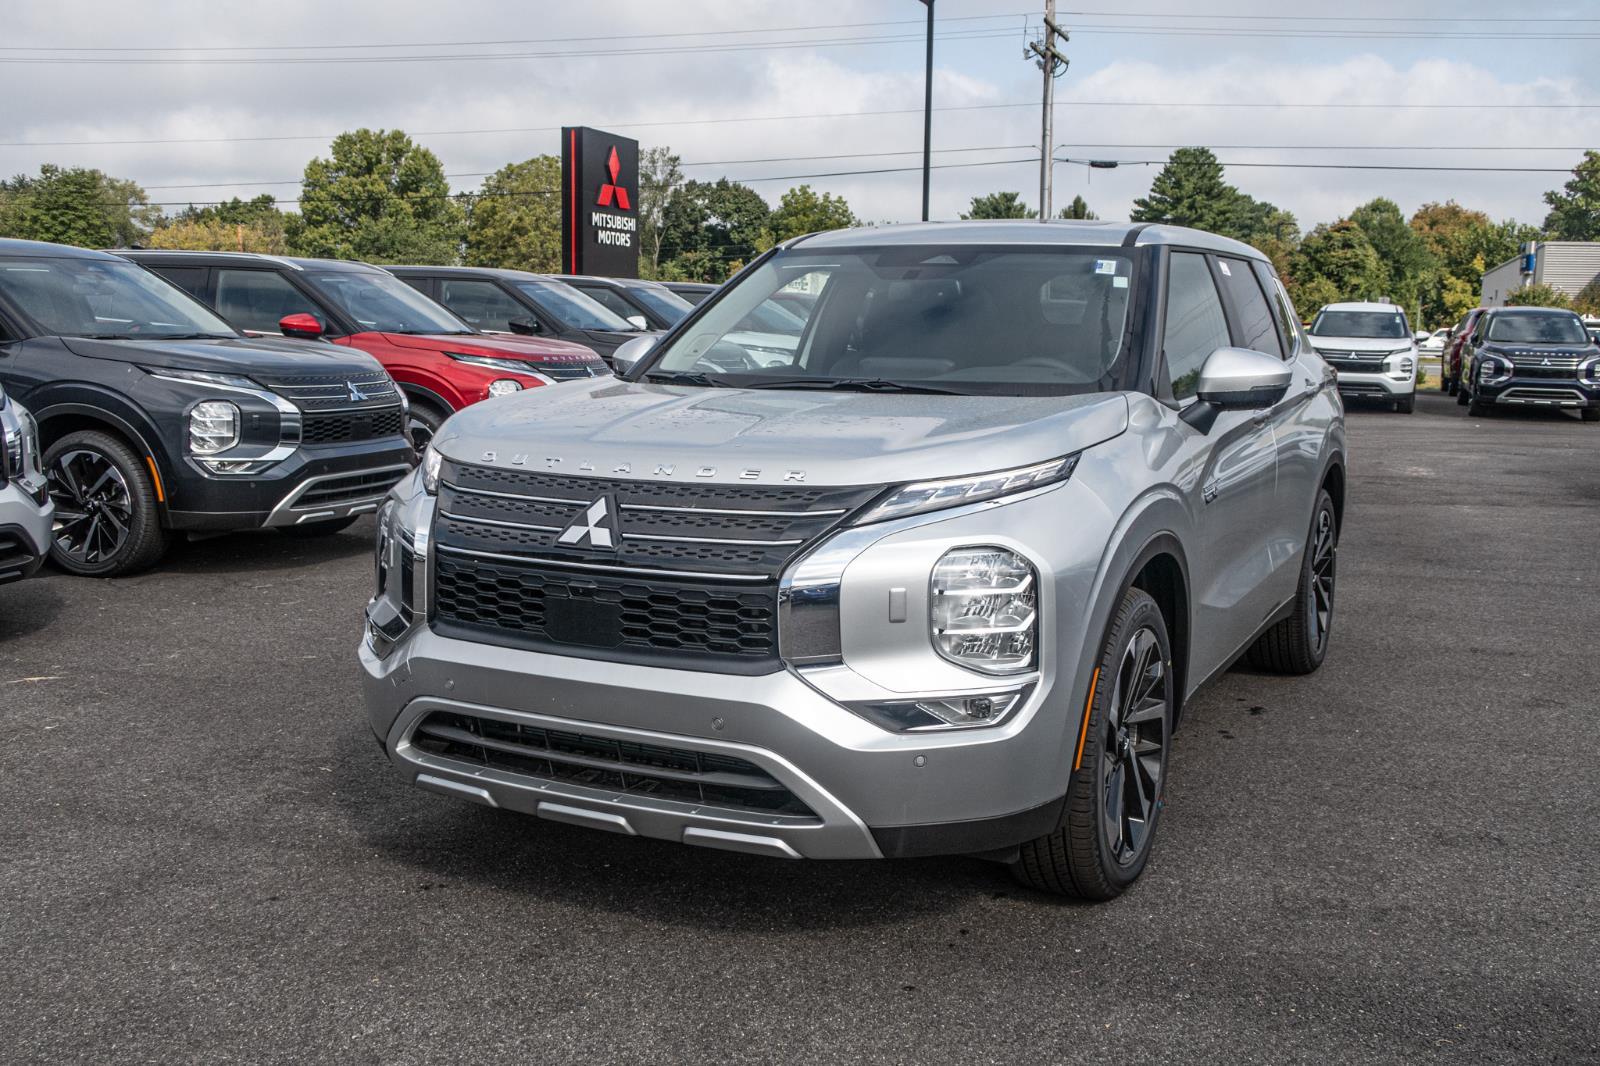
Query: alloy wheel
1133,750
1324,563
94,508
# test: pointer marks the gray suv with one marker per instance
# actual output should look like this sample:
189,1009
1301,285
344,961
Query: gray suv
939,583
26,513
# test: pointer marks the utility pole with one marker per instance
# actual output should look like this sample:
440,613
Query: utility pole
927,113
1049,59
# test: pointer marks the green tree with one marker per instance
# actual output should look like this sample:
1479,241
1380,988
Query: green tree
515,219
708,228
77,206
1335,263
254,225
1587,302
1000,205
1404,255
1190,190
1078,208
1538,296
801,211
660,173
1575,210
379,197
1463,244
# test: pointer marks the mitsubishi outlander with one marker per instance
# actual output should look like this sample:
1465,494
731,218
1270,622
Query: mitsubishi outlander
940,583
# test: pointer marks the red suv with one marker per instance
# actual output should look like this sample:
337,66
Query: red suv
1450,357
441,363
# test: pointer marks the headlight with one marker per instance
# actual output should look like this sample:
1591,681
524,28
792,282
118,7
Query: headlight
11,451
503,387
235,381
516,366
1589,371
1493,370
983,609
431,461
213,427
934,495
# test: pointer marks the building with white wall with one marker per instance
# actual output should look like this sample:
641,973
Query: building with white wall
1565,266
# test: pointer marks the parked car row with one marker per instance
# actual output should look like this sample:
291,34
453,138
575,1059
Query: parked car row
1540,357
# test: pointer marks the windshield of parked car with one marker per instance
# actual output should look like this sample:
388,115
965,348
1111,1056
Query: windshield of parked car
664,302
924,319
578,311
382,303
104,298
1549,327
771,318
1366,325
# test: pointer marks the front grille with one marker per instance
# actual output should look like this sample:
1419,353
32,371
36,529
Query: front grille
1546,373
345,426
350,489
321,392
691,579
572,371
681,774
1544,361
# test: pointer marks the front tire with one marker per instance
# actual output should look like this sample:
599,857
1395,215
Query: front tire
1297,644
422,422
1115,797
1477,408
1407,405
107,522
1590,414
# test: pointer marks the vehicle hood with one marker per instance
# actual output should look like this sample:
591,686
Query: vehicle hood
234,355
538,350
1359,344
614,428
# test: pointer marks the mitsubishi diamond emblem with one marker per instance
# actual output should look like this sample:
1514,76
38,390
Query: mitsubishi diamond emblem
596,523
356,395
1546,361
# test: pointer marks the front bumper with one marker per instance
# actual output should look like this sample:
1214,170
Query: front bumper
315,484
1525,391
24,533
1376,386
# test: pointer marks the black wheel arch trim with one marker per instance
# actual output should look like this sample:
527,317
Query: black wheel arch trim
427,396
140,439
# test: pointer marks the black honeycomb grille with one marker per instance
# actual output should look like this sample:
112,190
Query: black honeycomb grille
350,426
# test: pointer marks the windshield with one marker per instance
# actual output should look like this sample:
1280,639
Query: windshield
562,301
931,319
771,318
104,298
1553,327
1365,325
383,303
664,302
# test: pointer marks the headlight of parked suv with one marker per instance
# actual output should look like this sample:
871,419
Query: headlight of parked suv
1589,371
213,427
431,462
983,609
1494,369
923,496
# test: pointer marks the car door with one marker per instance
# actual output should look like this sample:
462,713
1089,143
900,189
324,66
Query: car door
1230,569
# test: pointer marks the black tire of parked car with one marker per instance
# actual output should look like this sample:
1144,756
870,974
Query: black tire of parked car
1123,767
1476,407
422,423
107,520
1590,414
318,529
1444,383
1297,644
1462,396
1407,405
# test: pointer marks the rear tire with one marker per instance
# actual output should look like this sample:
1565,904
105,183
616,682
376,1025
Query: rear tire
1297,644
1115,796
108,520
1462,396
318,529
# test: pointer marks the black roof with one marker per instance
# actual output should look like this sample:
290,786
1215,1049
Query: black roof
621,283
468,272
46,250
215,258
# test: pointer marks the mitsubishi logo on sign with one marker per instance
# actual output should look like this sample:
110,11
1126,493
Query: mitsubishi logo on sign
599,203
596,524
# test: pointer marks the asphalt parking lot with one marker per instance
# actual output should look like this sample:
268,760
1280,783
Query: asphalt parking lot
204,856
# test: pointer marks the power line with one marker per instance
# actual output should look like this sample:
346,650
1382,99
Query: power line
1356,147
1324,18
1101,163
502,41
1330,34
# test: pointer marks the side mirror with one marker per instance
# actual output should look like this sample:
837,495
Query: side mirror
524,327
1236,379
1420,335
300,324
638,322
629,353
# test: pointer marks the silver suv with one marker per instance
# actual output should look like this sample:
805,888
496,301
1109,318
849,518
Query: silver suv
25,509
940,583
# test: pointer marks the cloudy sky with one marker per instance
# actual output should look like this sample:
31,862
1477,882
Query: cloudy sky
244,93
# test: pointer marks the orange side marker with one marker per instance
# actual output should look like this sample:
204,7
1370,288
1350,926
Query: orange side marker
161,496
1083,733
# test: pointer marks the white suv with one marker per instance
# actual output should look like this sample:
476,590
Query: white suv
1372,348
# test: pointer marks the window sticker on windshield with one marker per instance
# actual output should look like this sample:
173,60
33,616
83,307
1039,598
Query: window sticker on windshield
1119,282
1223,263
1105,266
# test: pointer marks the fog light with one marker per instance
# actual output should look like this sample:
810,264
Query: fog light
943,712
503,387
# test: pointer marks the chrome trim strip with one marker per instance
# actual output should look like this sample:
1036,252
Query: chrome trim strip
732,511
713,540
285,513
496,522
620,569
453,487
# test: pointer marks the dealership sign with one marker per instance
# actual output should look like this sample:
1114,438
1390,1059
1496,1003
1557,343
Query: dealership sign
600,203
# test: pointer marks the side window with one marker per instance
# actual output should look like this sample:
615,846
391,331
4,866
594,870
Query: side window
1283,319
481,303
1255,328
1196,326
254,300
1478,329
422,285
191,280
612,300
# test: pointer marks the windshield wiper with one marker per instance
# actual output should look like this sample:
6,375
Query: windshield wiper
848,385
667,378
